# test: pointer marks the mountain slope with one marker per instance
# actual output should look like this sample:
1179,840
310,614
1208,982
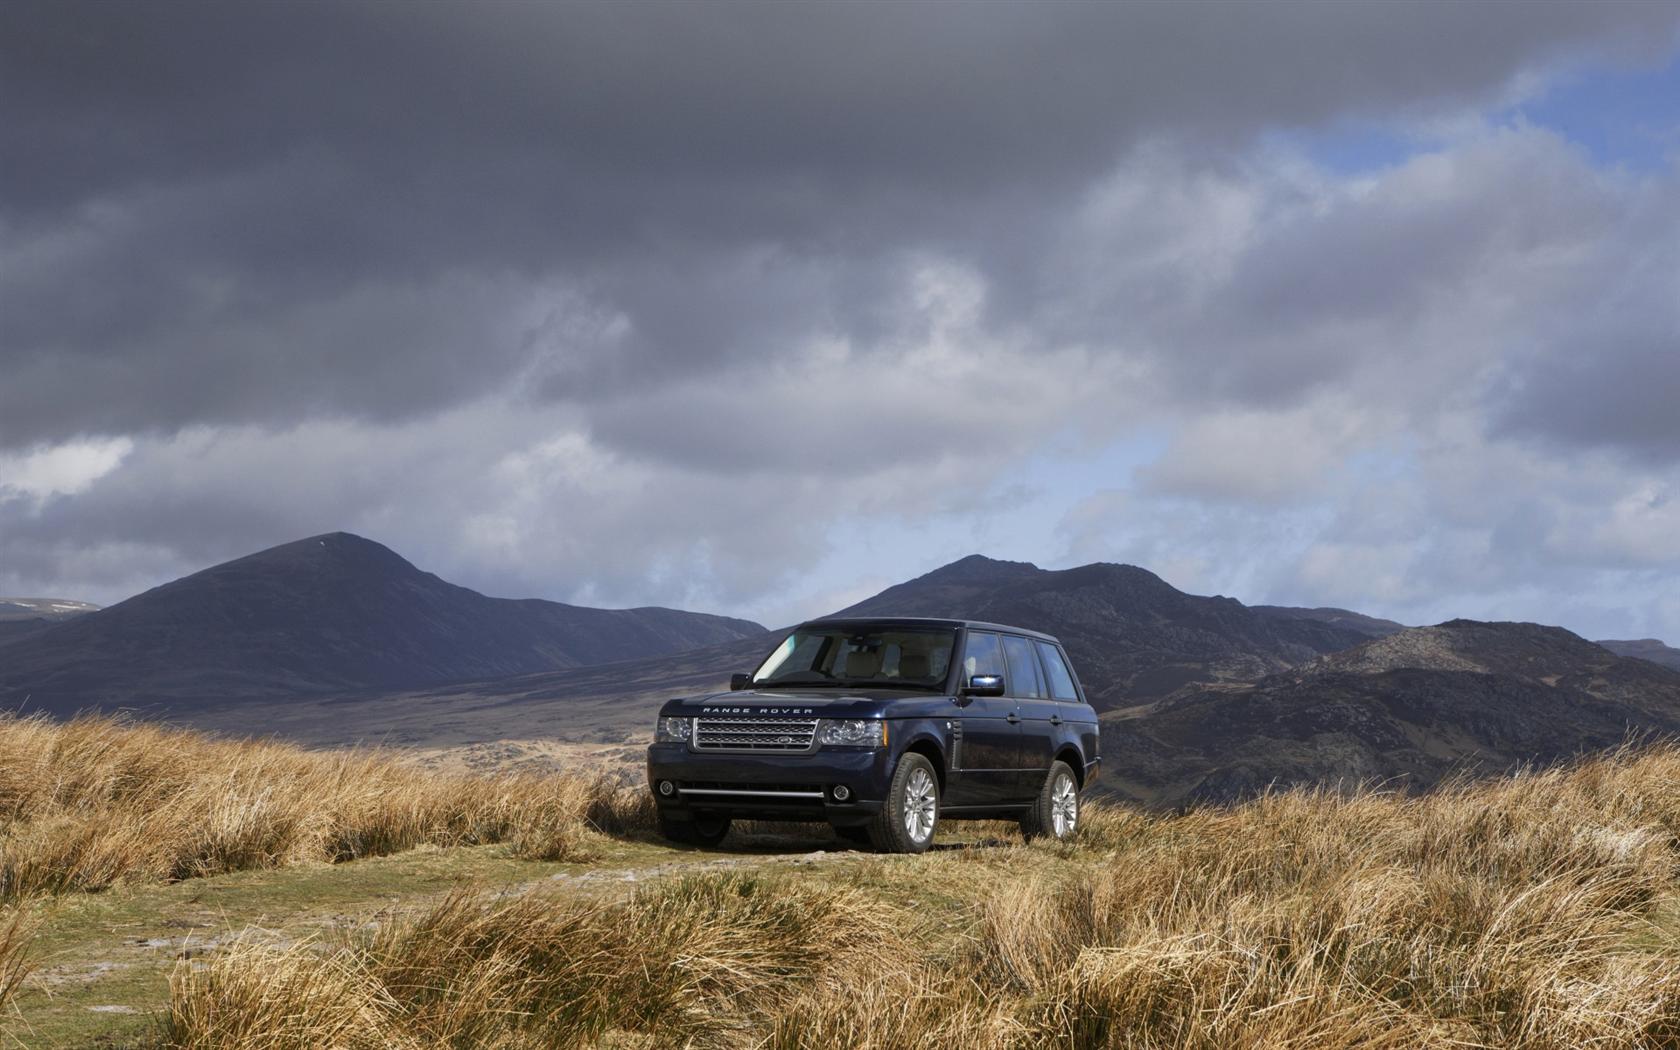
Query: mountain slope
328,613
1132,636
50,609
1645,649
1406,710
1369,626
21,616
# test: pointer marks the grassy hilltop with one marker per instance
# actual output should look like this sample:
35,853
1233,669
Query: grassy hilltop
163,889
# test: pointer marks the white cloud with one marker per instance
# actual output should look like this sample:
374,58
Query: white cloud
60,470
1256,456
1425,391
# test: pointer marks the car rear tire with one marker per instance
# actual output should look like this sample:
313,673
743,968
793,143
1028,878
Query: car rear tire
911,813
1055,812
694,831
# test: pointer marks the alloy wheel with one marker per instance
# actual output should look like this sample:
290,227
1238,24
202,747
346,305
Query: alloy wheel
921,803
1064,805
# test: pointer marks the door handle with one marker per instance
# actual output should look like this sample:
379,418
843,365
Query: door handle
1013,717
1055,720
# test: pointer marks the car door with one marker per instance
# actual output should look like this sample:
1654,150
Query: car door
986,733
1039,714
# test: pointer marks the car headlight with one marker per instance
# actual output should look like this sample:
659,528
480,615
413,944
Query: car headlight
672,730
864,732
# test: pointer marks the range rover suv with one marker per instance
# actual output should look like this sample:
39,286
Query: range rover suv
882,727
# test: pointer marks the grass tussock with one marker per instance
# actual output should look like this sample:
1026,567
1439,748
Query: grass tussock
15,935
699,962
88,803
1536,912
1514,913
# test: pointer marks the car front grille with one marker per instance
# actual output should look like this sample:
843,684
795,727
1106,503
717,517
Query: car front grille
754,734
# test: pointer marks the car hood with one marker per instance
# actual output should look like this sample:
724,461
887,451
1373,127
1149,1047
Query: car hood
820,703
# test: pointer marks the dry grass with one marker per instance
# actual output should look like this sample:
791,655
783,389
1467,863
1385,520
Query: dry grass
86,804
1517,913
700,962
1523,913
15,933
1536,912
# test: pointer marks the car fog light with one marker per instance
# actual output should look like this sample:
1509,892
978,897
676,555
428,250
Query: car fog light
667,788
842,792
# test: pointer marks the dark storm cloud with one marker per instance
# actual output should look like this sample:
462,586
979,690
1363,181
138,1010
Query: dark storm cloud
229,213
907,92
1622,395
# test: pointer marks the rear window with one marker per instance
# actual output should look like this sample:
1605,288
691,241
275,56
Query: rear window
1024,679
1061,680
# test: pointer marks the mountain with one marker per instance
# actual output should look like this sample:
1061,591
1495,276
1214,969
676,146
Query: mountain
1406,710
21,616
1646,649
1369,626
1132,636
335,640
326,614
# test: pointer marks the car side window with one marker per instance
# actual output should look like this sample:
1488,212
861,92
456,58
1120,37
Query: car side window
983,655
1061,681
1024,678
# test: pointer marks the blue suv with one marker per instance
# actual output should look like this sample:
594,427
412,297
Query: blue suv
882,728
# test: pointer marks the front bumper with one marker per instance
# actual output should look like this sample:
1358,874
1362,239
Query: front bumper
771,787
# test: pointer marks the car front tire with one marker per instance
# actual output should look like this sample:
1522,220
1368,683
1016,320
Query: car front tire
911,813
1055,812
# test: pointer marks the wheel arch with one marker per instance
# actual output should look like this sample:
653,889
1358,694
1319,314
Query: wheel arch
929,747
1075,761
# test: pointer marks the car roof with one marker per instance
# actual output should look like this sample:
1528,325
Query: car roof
922,621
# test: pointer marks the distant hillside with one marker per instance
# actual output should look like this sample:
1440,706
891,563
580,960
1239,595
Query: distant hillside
325,614
1646,649
21,616
52,610
1133,636
1406,710
1370,626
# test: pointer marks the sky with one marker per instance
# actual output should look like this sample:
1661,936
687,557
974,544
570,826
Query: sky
758,308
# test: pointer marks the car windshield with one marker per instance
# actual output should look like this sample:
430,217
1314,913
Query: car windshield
880,657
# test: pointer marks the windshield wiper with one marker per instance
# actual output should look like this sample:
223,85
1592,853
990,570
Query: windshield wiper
850,683
886,683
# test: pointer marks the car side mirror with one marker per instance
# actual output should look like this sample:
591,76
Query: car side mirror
738,682
984,685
